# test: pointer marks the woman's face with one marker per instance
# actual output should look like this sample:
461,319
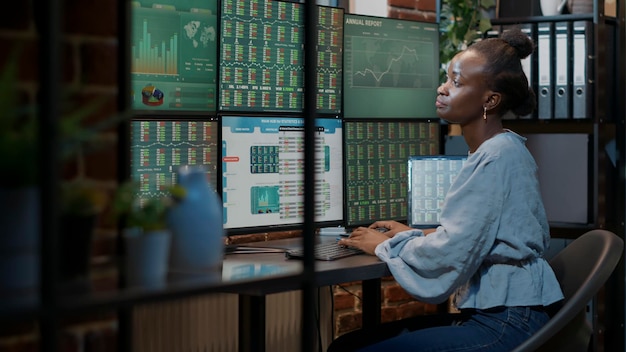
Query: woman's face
462,97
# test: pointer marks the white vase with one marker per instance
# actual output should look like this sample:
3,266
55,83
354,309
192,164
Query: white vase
19,245
146,259
196,224
552,7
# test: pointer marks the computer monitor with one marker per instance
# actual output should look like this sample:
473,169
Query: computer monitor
173,55
159,147
429,180
262,56
263,172
329,66
376,154
391,68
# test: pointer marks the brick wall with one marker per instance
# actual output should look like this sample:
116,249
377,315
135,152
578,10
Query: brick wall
418,10
396,304
89,72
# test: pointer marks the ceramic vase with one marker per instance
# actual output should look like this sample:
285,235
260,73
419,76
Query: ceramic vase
146,259
552,7
196,224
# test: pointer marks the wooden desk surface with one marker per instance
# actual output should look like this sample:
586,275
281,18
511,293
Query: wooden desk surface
354,268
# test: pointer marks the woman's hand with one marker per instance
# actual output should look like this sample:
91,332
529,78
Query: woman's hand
393,227
365,239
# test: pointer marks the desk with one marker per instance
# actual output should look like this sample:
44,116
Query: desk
251,276
366,268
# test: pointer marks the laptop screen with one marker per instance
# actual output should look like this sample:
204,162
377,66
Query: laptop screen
430,178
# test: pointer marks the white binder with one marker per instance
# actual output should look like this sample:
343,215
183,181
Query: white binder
544,95
561,89
580,87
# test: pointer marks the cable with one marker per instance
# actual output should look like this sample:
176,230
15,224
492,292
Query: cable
350,292
318,318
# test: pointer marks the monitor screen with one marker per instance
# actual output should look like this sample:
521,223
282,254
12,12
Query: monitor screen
376,166
329,60
174,55
429,179
262,56
262,172
159,147
391,67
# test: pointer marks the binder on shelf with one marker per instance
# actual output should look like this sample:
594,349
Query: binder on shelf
561,89
580,88
544,95
526,62
527,68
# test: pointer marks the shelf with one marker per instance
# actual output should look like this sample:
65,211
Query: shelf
73,301
551,126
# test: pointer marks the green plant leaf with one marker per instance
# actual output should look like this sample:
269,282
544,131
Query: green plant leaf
148,214
462,23
484,25
487,4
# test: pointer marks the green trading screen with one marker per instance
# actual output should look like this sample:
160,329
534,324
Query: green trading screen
174,55
262,55
391,67
376,176
160,147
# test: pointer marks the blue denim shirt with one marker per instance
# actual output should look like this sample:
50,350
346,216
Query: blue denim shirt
494,229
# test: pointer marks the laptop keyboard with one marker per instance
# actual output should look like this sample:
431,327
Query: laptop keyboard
325,251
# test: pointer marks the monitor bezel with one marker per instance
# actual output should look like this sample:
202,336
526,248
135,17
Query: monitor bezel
287,226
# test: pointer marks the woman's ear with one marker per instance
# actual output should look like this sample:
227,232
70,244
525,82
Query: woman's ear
493,101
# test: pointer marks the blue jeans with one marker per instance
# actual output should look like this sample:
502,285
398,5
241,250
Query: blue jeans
496,329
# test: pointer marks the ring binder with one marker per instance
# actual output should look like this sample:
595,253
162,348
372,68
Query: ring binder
580,88
544,96
561,89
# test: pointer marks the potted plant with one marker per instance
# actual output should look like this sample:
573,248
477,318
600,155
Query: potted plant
462,23
19,242
19,128
19,175
145,233
81,203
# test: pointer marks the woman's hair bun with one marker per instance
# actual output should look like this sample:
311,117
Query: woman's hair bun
522,44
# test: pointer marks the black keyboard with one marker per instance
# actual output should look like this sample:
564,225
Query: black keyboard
325,251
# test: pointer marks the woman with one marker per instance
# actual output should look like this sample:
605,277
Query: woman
487,253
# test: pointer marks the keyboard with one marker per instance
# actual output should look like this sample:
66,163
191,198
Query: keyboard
325,251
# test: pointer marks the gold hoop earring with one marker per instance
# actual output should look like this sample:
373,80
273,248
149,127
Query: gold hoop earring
485,113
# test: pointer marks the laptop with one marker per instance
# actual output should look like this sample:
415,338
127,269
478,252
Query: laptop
429,179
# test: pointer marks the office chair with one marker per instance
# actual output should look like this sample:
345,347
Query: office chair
582,268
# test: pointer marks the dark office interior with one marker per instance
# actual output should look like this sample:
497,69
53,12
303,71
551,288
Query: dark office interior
98,82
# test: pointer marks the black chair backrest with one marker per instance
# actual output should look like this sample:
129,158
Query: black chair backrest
587,262
582,268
